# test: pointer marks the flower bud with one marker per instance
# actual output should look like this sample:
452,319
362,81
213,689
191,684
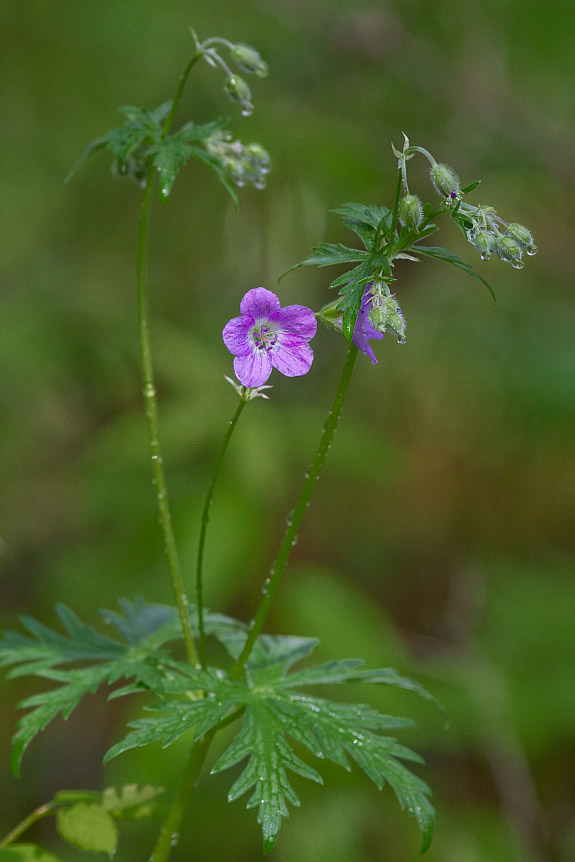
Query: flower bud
510,251
520,234
446,181
239,92
249,61
485,242
260,156
410,211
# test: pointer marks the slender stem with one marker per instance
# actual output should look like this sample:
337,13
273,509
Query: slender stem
204,527
42,811
168,836
295,518
149,390
395,206
179,90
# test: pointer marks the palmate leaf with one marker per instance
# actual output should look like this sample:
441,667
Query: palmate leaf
366,220
273,713
449,257
172,152
44,651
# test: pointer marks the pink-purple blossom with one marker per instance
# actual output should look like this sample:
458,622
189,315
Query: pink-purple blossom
363,329
267,336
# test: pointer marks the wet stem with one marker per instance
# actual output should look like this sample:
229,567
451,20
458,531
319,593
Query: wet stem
149,388
204,527
169,832
294,520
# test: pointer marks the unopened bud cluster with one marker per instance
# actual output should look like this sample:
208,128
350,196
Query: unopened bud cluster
491,235
385,315
242,163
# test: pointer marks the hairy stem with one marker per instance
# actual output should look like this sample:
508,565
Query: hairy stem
37,814
203,529
295,518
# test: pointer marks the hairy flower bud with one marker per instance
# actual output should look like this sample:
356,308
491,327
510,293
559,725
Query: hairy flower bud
249,61
520,234
239,92
446,181
510,251
485,242
410,211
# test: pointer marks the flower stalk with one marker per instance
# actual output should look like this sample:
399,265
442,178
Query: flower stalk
204,527
295,518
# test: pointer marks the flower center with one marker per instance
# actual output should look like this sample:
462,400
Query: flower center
264,336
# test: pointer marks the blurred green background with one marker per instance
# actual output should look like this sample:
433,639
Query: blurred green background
440,540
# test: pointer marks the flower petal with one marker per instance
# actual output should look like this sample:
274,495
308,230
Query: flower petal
259,303
364,329
292,355
236,335
297,319
253,369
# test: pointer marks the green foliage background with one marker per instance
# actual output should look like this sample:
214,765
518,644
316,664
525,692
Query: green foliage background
440,540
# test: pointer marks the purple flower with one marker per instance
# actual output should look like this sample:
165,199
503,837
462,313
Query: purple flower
267,336
363,329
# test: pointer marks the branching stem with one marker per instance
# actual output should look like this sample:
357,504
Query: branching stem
43,811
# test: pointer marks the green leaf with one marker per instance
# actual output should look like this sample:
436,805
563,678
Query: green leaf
174,718
131,801
88,827
128,802
145,627
199,131
262,740
27,853
449,257
328,253
172,153
470,187
364,220
368,214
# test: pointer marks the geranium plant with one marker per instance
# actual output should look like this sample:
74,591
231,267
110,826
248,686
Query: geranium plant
271,704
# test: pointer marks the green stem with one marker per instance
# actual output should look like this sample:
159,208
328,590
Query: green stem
149,390
395,211
295,518
168,836
42,811
204,527
179,90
